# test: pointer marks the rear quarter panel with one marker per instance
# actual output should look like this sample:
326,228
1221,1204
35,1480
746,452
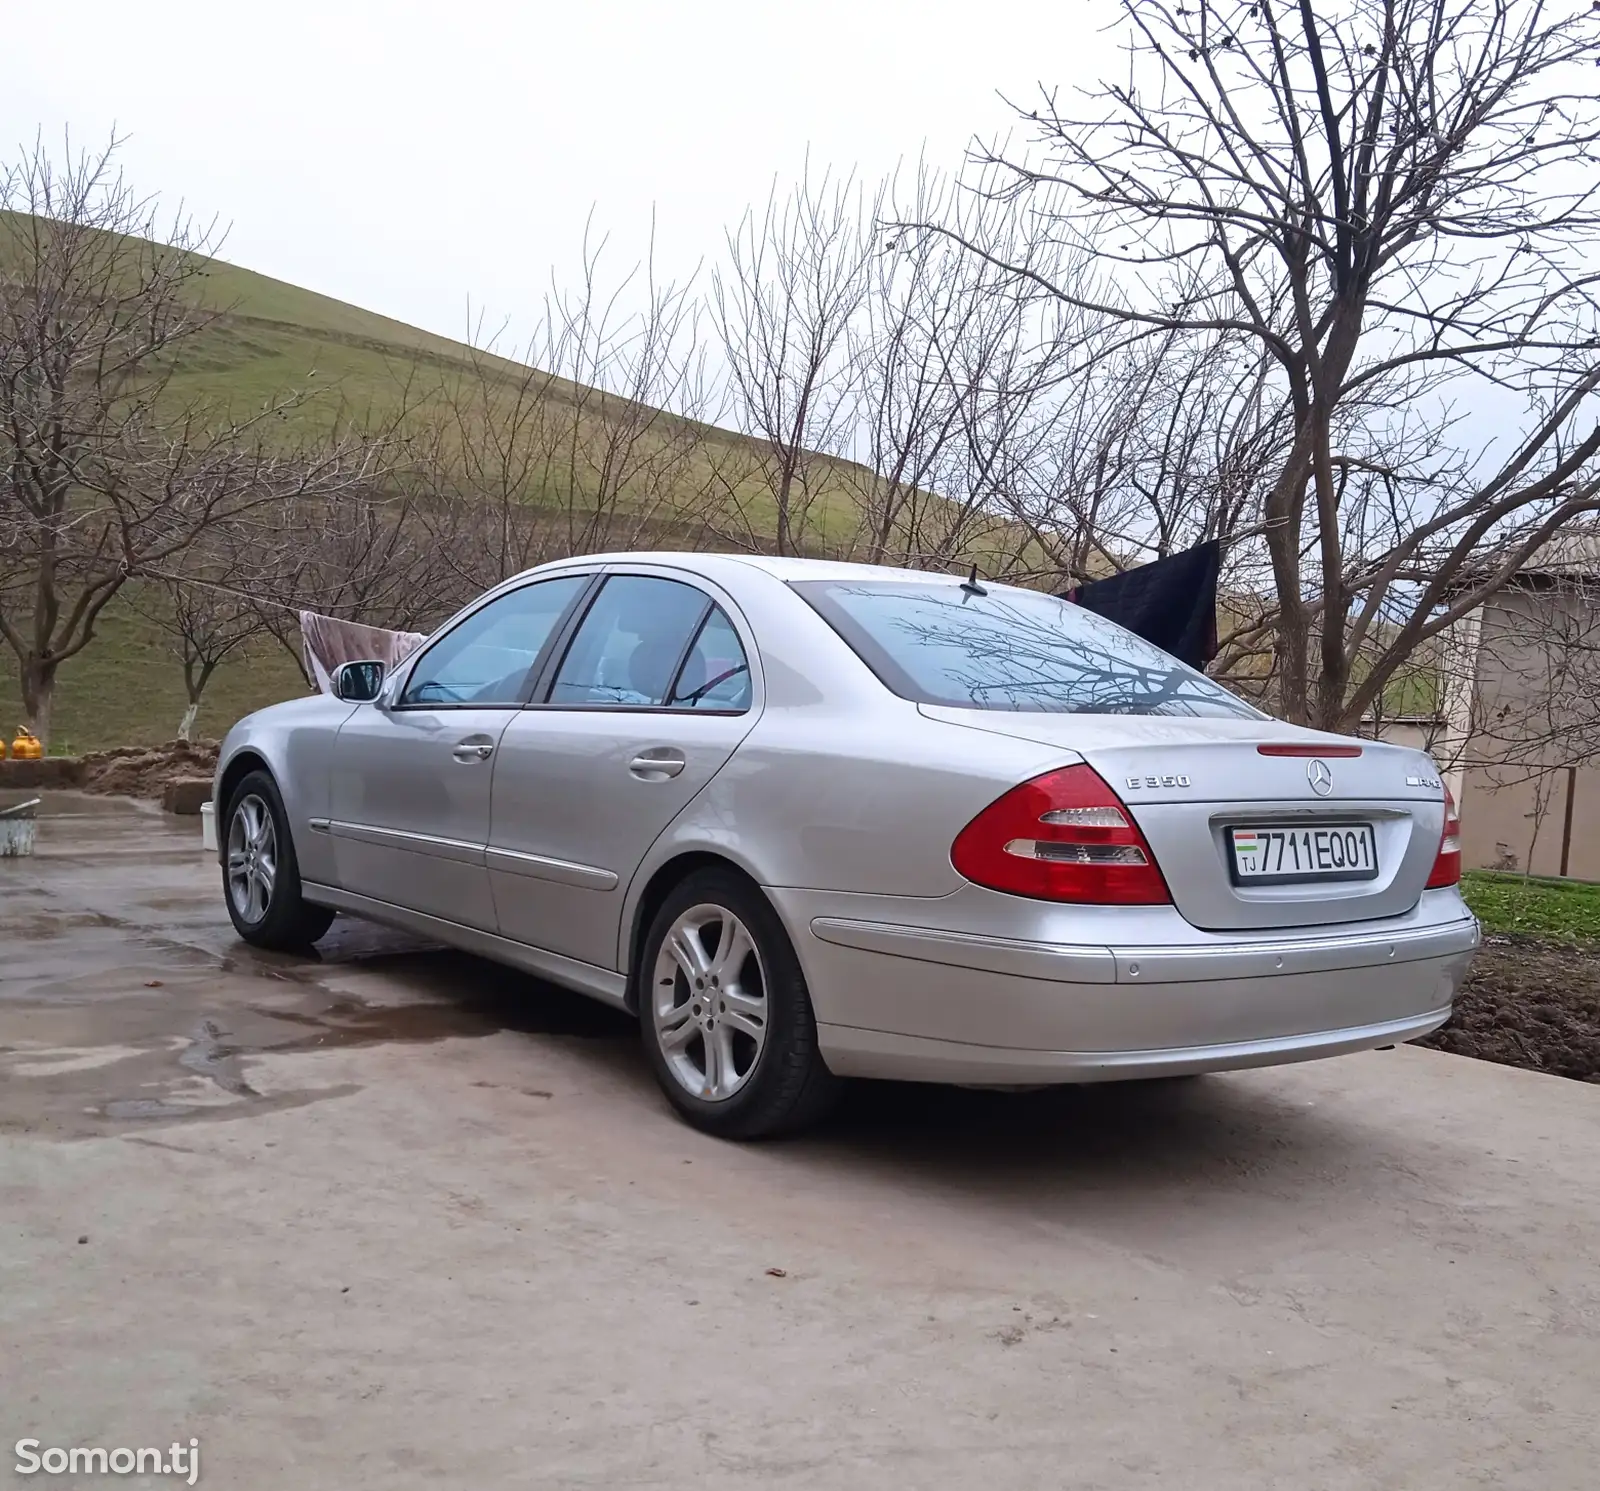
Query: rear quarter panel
830,802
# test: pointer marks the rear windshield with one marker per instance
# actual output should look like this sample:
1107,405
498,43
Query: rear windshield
1010,649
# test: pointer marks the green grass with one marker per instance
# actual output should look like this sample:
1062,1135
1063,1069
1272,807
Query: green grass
273,339
1564,910
126,688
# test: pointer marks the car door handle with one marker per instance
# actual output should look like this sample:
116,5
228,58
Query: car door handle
657,764
473,750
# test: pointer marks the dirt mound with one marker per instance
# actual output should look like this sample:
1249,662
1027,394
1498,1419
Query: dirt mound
145,771
1530,1004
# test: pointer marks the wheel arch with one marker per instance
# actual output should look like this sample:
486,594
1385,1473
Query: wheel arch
663,880
240,765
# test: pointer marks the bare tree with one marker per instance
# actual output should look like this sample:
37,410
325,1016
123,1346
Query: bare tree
105,472
597,434
952,372
632,454
373,554
212,612
1389,205
794,280
907,407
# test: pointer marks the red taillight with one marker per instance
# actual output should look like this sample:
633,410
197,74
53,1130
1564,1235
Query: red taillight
1064,836
1329,752
1447,864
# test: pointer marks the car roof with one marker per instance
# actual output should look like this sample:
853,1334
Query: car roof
781,567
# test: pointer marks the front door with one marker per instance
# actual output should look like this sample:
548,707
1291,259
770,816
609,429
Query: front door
648,703
413,775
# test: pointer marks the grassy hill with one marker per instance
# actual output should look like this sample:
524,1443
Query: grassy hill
269,340
126,687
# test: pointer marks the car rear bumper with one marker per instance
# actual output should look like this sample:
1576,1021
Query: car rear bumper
897,999
909,1058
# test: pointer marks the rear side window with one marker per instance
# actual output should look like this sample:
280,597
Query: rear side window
1010,649
627,650
716,674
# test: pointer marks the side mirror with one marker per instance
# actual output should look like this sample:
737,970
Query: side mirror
358,683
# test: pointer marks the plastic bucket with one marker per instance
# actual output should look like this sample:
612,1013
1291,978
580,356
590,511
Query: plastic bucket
17,827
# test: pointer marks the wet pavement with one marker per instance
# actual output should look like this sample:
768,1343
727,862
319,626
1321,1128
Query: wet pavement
394,1215
123,984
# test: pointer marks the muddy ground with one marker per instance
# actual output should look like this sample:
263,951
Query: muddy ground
146,771
1530,1004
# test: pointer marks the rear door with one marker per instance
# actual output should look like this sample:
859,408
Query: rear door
641,708
412,776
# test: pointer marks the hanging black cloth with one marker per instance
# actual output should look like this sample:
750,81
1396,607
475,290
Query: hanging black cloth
1171,602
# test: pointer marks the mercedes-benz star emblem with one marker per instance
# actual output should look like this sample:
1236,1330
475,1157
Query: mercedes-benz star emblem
1320,777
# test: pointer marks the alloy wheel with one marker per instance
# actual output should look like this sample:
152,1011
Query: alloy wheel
708,1002
252,858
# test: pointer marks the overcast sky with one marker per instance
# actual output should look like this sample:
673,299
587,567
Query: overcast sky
406,156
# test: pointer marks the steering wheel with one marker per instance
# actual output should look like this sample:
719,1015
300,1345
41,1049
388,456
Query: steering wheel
722,677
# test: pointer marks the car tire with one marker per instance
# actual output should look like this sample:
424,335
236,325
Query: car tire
260,874
775,1082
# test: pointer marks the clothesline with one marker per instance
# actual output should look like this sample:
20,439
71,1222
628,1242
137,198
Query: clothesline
145,572
326,642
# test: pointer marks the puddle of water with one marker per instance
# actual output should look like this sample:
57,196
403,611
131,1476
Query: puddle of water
346,1022
218,1046
144,1108
260,965
41,925
208,1055
153,1017
537,1010
59,1063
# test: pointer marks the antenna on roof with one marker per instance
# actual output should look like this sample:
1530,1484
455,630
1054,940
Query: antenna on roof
971,586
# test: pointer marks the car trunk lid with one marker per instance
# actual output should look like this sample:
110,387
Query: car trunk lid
1191,783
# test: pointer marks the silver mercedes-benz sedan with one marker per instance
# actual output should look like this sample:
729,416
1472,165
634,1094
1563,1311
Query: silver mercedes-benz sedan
812,821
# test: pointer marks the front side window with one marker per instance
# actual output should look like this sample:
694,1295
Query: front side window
627,651
486,660
1010,649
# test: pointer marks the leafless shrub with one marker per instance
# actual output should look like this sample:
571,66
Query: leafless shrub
794,280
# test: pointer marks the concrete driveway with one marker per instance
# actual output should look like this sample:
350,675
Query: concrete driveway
400,1218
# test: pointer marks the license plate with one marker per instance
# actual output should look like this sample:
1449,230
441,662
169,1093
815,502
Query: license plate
1316,851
